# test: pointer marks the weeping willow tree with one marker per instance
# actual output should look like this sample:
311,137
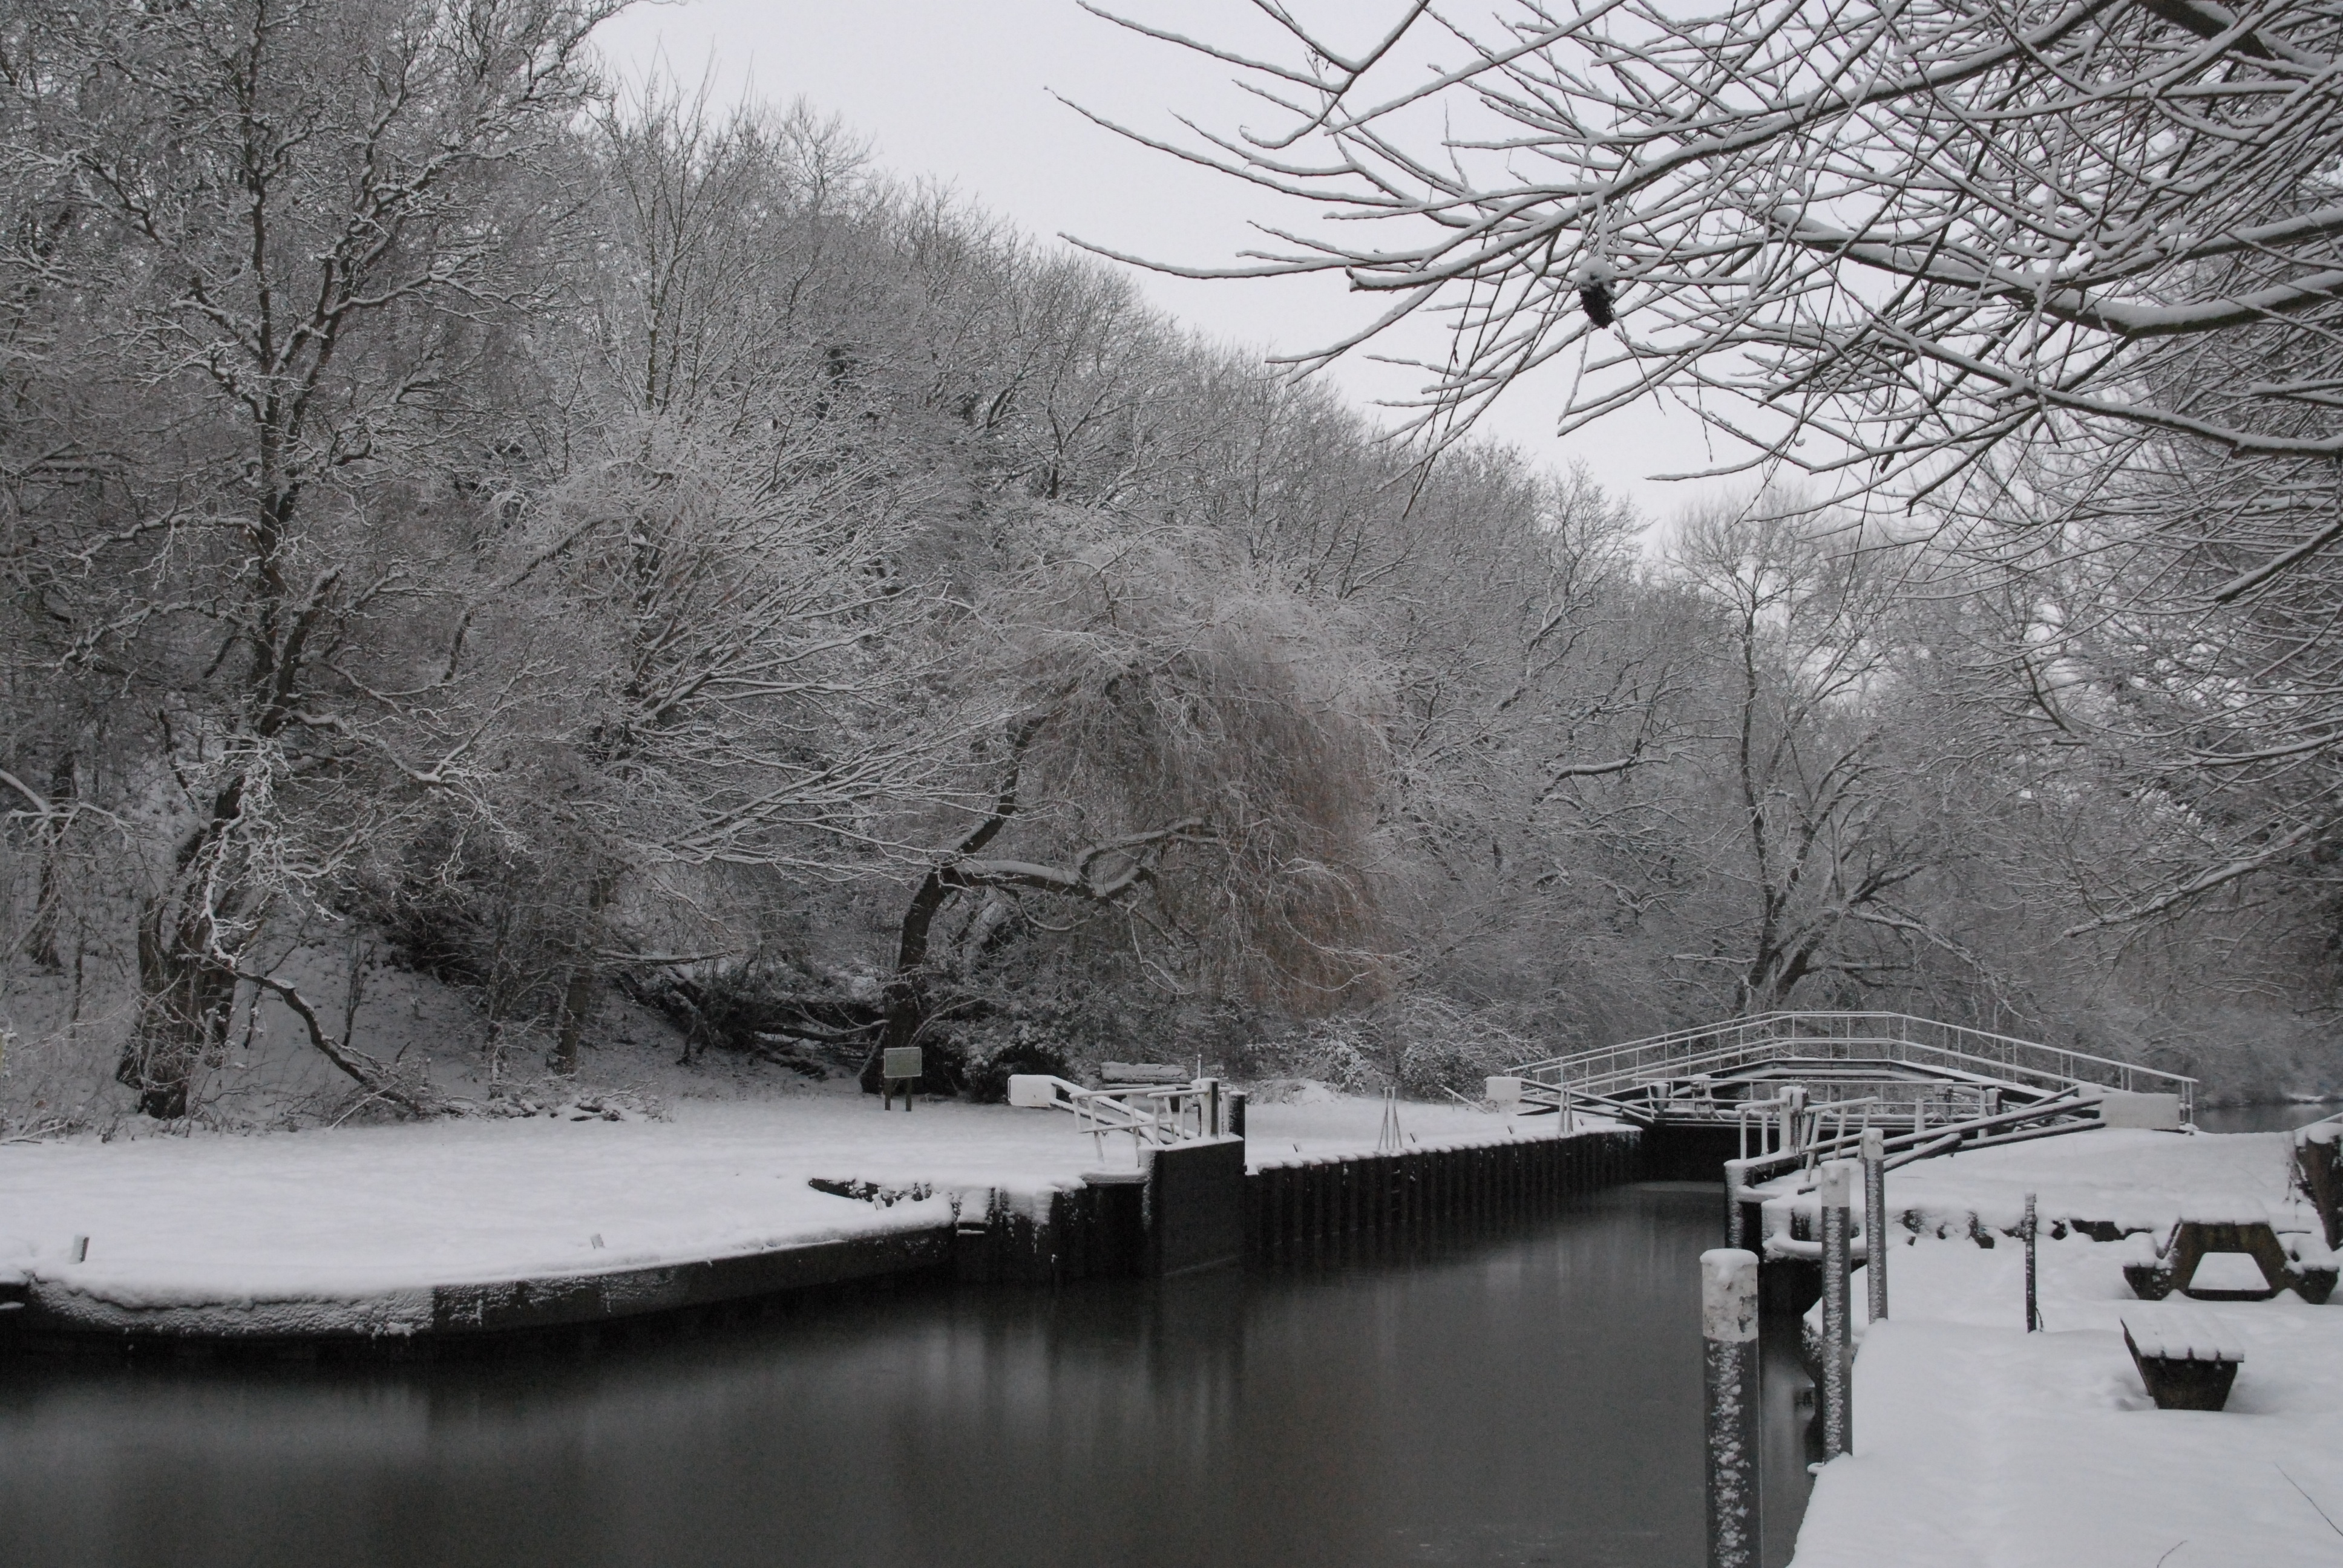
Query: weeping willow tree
1184,769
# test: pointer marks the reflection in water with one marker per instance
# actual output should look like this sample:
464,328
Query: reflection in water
1530,1398
2282,1117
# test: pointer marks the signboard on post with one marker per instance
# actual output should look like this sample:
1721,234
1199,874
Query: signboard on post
900,1067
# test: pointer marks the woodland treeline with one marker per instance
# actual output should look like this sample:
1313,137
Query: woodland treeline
582,548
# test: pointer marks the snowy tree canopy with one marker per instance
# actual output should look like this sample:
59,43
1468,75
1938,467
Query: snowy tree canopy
1883,238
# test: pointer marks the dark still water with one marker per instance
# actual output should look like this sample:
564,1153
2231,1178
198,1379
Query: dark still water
2283,1117
1530,1398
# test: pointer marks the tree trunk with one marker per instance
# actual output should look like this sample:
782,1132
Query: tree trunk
41,941
185,998
585,973
907,994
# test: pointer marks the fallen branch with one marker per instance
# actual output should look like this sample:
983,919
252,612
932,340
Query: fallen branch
368,1072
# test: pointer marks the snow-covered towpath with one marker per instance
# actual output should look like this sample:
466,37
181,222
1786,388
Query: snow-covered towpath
355,1213
1978,1444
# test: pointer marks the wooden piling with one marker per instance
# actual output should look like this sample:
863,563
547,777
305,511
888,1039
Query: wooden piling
1837,1395
1729,1330
1372,1205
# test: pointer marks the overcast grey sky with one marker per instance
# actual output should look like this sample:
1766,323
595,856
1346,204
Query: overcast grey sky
959,91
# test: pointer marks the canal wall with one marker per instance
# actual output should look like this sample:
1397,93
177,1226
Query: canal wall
1187,1208
1180,1210
1195,1206
1312,1210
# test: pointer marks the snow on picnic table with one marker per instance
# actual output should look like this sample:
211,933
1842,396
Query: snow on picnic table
1979,1444
352,1213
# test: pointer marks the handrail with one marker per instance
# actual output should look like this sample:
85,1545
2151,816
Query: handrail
1900,1147
1152,1114
1735,1042
1732,1056
2057,1115
1769,1024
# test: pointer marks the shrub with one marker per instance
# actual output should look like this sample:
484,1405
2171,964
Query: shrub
987,1078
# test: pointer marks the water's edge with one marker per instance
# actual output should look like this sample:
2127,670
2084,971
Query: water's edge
1523,1397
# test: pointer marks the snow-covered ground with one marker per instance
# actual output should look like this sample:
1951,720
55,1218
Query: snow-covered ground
2139,1180
1978,1443
359,1211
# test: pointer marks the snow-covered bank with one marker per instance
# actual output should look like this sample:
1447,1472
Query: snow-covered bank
355,1225
1976,1443
2133,1179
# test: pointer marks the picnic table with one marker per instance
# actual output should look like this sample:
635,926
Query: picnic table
2244,1227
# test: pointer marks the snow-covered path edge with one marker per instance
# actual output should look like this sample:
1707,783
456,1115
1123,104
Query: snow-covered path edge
458,1229
1977,1442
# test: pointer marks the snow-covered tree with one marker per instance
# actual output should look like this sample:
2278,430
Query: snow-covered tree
2063,276
263,248
1883,238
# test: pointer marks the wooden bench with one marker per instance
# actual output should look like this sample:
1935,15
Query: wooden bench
2187,1359
2239,1228
2318,1161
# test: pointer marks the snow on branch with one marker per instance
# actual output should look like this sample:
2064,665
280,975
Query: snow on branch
1911,234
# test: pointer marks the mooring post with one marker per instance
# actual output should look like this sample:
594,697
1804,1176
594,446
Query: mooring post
1736,1232
2033,1311
1837,1404
1728,1325
1874,1222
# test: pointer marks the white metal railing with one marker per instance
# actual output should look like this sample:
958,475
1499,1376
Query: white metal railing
2057,1115
1904,1102
2326,1129
1153,1115
1850,1036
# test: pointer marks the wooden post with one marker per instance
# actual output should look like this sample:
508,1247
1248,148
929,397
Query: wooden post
1874,1222
1837,1393
1728,1323
2033,1310
1320,1195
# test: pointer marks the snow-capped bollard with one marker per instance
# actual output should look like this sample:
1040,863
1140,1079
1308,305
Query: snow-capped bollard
1874,1223
1838,1412
1728,1327
2033,1311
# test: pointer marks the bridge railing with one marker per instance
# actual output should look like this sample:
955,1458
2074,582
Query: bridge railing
1847,1036
1151,1114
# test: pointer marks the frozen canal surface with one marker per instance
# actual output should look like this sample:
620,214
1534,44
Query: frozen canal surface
1530,1398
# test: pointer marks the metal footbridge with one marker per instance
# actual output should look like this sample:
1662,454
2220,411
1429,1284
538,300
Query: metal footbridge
1809,1084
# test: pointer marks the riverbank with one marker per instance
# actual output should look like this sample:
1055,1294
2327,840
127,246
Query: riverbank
388,1230
1976,1442
1434,1411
